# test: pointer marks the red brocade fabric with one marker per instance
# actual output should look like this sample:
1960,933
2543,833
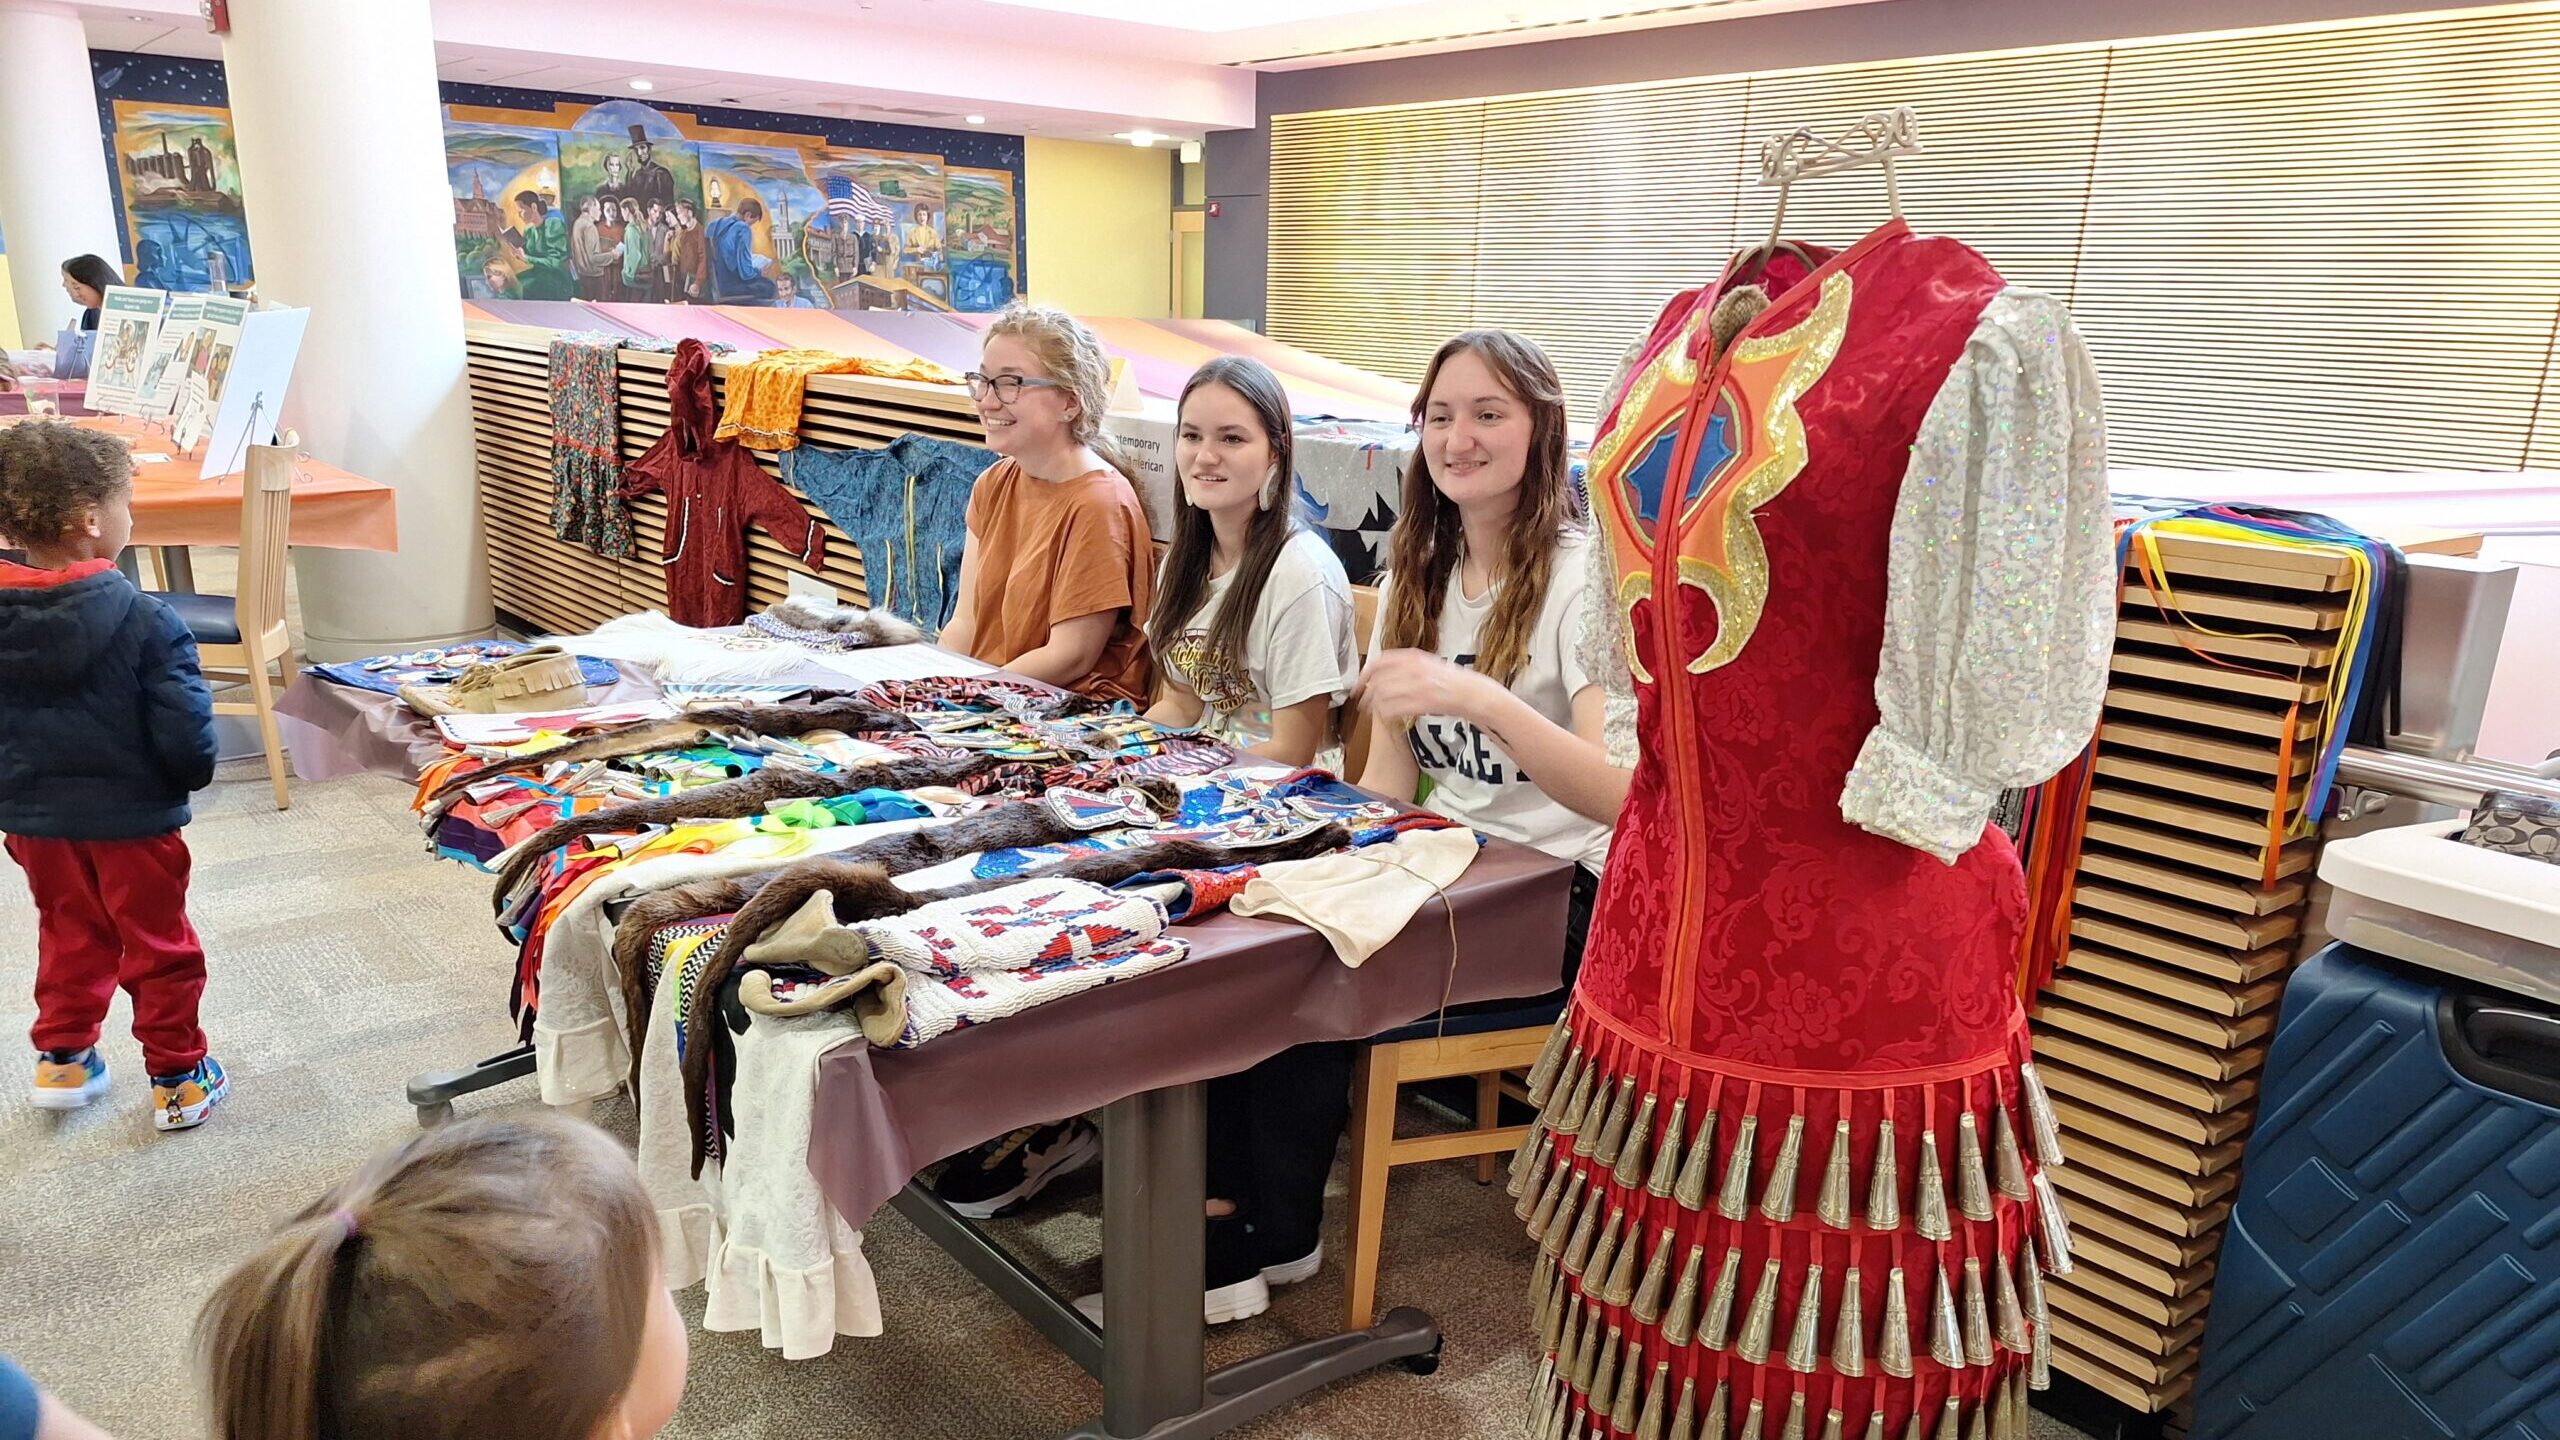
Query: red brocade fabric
1830,1014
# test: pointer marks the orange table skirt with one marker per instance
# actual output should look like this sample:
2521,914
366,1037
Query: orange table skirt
332,510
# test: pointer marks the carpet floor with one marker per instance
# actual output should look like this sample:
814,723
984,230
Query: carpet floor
344,959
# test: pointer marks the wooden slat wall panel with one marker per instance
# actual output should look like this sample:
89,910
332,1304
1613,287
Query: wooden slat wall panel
2152,1033
2322,247
565,588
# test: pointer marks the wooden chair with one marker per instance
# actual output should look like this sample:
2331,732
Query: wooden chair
240,636
1486,1046
1354,725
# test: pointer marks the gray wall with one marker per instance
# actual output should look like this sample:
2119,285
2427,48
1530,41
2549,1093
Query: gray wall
1239,160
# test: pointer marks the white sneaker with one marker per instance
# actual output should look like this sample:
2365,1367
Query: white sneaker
1241,1301
1293,1271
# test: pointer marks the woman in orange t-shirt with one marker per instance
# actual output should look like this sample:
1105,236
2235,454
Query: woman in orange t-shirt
1059,568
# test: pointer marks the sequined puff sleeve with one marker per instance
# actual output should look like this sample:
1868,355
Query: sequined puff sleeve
1603,655
2000,586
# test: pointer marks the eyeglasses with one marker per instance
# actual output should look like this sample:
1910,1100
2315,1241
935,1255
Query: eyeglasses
1006,388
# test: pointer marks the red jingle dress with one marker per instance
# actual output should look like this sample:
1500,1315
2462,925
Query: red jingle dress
1788,1176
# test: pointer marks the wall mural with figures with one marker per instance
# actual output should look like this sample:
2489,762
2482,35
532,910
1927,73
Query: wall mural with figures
563,197
621,201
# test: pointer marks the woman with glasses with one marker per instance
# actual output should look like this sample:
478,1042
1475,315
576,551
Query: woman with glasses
1058,563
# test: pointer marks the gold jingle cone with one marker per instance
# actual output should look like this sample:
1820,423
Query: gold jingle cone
1613,1126
1680,1322
1568,1120
1804,1342
1977,1315
1778,1198
1884,1186
1893,1342
1691,1191
2008,1318
1734,1200
1666,1156
1605,1097
1946,1334
1622,1415
1751,1420
1849,1336
1604,1378
1657,1395
1628,1166
1595,1271
1794,1428
1620,1286
1717,1328
1833,1206
1760,1324
2052,1224
2041,1124
1542,1075
1973,1182
1929,1199
2009,1168
1550,1195
1647,1304
1586,1229
1557,1103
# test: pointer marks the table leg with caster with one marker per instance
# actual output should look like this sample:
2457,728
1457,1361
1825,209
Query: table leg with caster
434,1091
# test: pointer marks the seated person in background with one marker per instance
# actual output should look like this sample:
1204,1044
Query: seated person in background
1252,623
496,1278
1058,567
1480,678
739,272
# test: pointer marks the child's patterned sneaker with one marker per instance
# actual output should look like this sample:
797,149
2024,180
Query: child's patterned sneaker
69,1079
180,1102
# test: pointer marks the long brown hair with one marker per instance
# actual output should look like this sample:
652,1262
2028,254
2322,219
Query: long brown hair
490,1280
1186,560
1075,359
1423,548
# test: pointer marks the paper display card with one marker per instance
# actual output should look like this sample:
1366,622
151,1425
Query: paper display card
164,372
128,323
208,359
252,392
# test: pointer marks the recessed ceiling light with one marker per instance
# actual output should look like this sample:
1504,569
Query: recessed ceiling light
644,86
1140,138
977,119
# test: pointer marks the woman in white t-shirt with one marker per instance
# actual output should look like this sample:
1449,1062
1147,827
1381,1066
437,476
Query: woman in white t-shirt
1477,681
1252,623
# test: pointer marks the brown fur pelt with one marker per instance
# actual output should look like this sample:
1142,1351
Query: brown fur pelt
675,732
866,889
746,795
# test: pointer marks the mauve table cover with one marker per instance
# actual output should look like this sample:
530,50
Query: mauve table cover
1253,988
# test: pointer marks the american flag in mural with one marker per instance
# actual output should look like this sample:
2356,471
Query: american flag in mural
846,198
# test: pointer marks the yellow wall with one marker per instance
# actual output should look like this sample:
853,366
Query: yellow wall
8,312
1101,226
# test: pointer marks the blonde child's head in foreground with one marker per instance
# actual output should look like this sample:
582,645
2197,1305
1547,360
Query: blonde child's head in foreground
490,1280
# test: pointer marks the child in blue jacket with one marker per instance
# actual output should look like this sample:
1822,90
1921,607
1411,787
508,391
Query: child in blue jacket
105,729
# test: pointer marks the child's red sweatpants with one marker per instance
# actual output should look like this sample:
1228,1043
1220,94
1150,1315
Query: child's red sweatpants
109,913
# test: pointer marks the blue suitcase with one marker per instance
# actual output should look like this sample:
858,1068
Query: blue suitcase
2390,1268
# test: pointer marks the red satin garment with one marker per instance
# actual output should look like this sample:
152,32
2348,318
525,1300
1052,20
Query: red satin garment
1818,1024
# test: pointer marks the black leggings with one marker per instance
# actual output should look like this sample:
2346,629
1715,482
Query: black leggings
1273,1128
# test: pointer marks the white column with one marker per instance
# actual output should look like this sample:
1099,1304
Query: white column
55,197
342,173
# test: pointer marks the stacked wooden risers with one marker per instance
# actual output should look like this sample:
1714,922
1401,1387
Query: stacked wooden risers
2151,1034
566,588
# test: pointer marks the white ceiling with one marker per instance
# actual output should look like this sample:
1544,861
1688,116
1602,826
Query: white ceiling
1185,41
1285,34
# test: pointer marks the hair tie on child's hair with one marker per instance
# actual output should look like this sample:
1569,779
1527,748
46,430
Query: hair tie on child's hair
346,1219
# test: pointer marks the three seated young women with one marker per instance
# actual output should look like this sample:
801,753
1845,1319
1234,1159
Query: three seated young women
1483,692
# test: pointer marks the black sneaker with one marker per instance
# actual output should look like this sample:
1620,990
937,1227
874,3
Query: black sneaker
1234,1290
1001,1176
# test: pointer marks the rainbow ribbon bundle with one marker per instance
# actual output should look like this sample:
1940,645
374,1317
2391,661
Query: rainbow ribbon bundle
2361,700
